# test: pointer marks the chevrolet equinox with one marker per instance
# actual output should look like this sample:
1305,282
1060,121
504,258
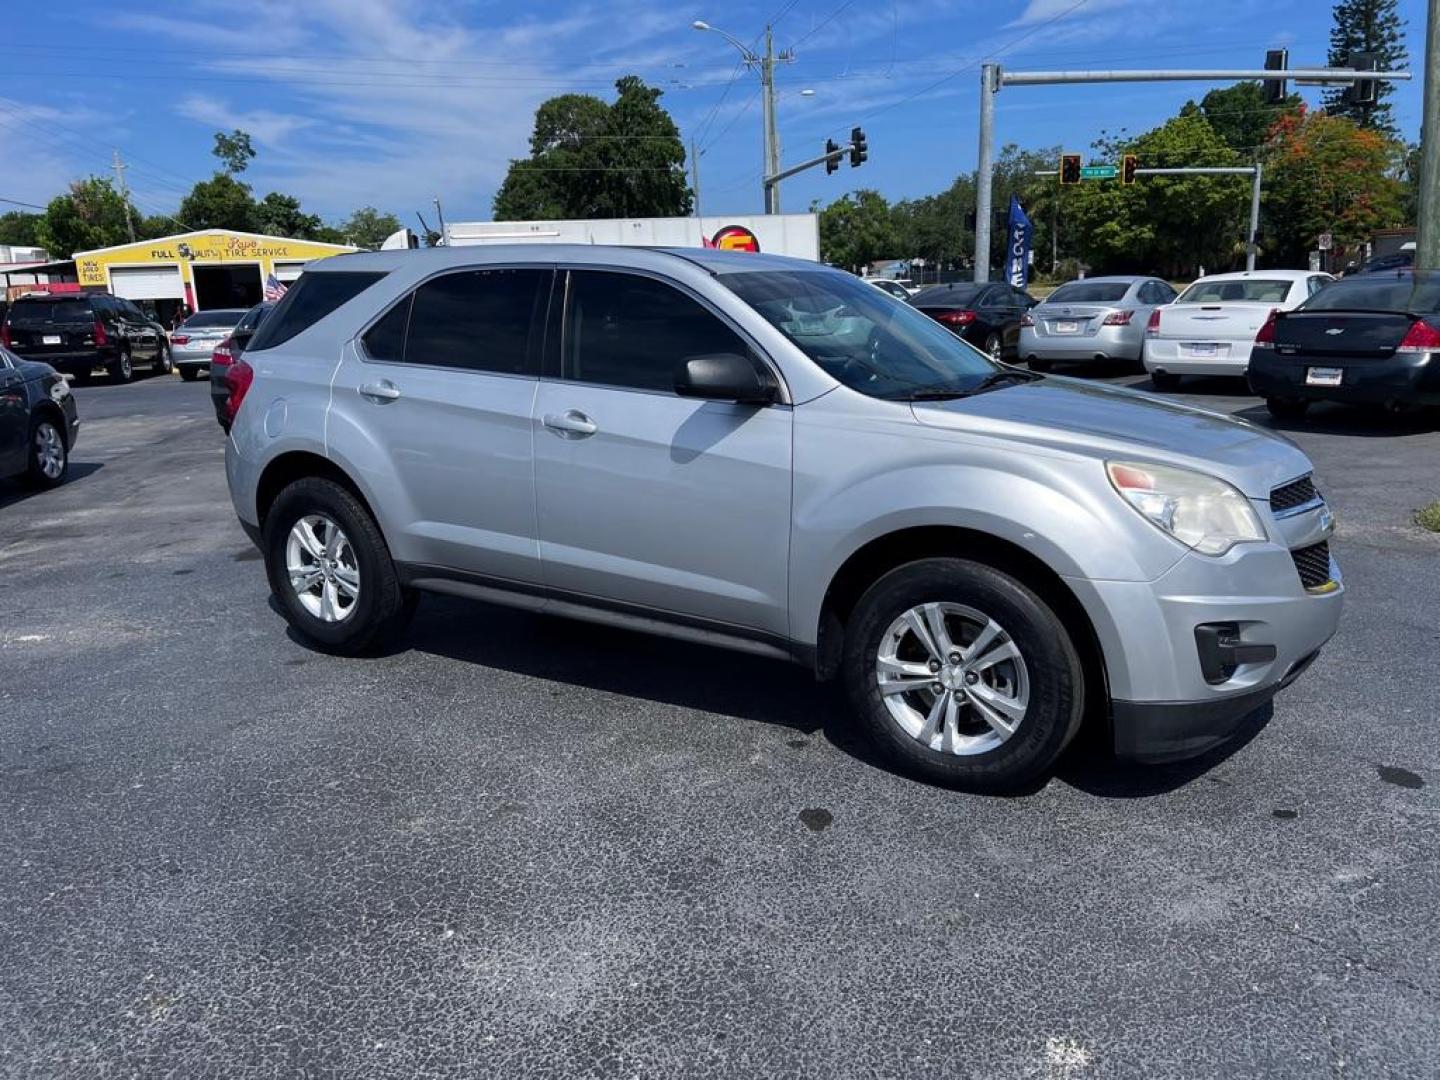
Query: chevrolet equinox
770,455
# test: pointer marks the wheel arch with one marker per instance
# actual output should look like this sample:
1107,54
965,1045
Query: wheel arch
48,410
294,465
879,556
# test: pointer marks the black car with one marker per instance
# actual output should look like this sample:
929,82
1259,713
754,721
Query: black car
228,352
76,333
1372,338
38,423
986,315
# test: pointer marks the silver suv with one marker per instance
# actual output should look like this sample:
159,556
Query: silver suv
769,455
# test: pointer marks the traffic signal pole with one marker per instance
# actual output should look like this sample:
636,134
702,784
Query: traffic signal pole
992,79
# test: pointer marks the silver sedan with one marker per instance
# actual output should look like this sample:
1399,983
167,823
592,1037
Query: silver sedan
192,342
1100,318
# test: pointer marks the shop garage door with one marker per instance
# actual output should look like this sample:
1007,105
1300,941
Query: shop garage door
288,271
147,283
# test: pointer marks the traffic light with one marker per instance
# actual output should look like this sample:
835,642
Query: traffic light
1069,168
832,156
1363,92
1128,164
858,150
1276,60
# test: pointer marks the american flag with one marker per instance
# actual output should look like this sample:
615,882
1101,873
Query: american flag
274,288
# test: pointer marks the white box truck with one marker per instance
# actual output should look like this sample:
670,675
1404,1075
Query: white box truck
796,235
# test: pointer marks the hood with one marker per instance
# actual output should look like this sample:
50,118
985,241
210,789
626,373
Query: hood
1073,416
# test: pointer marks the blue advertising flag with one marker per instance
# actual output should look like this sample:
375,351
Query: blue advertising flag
1017,245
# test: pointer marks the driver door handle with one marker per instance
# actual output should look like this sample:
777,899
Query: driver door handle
572,421
384,390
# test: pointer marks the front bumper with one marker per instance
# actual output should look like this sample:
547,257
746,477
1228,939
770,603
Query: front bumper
1164,704
1405,378
1105,343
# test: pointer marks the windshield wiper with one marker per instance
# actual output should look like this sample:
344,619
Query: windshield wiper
992,381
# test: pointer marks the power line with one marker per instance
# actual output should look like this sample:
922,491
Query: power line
821,24
17,202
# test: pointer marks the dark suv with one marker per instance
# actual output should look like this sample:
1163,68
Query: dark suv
76,333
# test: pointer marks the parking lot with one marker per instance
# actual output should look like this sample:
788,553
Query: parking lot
517,845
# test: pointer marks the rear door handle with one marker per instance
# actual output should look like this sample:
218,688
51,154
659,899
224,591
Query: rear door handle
384,390
572,421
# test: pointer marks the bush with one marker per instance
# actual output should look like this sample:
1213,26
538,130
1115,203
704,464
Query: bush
1428,517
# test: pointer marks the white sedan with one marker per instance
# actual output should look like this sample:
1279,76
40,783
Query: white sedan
1211,326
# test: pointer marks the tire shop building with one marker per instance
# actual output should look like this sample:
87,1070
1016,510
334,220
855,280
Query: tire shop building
212,268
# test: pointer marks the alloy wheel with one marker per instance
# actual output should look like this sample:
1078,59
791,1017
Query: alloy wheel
952,678
322,568
50,450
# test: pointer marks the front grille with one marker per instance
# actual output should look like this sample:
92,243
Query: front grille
1313,563
1295,493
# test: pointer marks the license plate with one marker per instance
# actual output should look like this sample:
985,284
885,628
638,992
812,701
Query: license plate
50,339
1324,376
1202,348
1067,327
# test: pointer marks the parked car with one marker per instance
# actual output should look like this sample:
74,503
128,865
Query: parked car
194,340
1209,329
1371,339
79,333
888,285
38,421
1398,260
761,453
987,316
227,352
1101,318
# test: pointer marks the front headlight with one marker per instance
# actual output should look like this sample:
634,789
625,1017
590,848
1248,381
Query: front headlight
1200,511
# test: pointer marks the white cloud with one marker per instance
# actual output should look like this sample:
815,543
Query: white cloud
268,128
1041,11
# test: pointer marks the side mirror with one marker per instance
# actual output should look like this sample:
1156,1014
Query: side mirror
723,377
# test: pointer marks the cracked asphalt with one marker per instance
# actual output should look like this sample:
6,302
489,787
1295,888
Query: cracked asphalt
520,847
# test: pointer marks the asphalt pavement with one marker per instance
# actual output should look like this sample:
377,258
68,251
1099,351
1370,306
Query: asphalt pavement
521,847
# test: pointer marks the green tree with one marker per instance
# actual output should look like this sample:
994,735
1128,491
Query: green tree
1367,26
1326,174
234,150
1163,224
280,215
1241,117
860,228
368,227
590,159
90,215
934,227
19,228
222,202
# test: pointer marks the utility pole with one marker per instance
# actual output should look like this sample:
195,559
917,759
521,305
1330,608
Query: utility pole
1427,236
695,174
1251,248
772,139
992,79
440,217
120,167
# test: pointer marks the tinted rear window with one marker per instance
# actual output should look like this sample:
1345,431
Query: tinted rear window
947,294
1398,293
1251,290
1089,292
309,300
36,312
212,318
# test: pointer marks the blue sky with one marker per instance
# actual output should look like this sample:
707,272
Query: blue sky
391,102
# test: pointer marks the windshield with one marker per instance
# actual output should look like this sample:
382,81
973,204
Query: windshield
38,312
1420,296
866,340
202,319
1249,290
1089,292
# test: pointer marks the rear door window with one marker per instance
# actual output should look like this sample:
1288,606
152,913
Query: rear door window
477,320
309,300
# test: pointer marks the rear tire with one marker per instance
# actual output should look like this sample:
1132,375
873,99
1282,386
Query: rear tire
49,461
189,373
1163,380
1037,689
1039,363
359,605
121,369
1286,408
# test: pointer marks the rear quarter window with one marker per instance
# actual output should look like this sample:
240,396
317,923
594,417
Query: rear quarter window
309,300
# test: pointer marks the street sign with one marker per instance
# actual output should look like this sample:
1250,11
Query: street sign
1099,172
1324,241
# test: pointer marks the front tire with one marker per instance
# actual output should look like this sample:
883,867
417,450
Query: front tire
163,366
330,568
1286,408
995,347
49,456
962,675
121,369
